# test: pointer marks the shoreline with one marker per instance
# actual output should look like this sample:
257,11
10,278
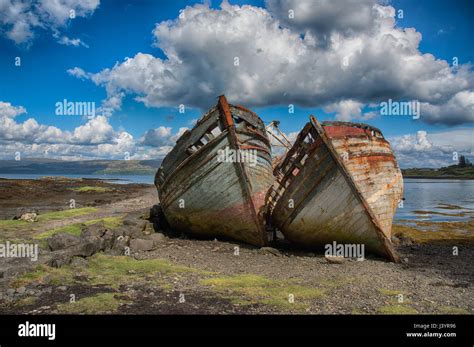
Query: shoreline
440,177
213,278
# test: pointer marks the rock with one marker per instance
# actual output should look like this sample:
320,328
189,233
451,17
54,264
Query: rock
82,247
157,238
119,232
143,245
94,230
145,215
395,240
155,212
269,250
149,229
29,217
157,217
60,259
21,211
403,240
62,241
119,246
334,259
129,222
79,262
10,292
108,239
135,231
21,290
88,246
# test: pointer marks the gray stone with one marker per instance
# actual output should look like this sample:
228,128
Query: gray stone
29,217
141,245
62,241
334,259
155,212
269,250
60,259
87,247
119,246
157,238
21,290
21,211
10,291
148,229
94,230
129,222
108,239
79,262
119,232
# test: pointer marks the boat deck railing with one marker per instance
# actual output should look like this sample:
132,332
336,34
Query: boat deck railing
290,167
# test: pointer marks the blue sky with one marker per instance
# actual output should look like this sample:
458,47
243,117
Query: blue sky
114,30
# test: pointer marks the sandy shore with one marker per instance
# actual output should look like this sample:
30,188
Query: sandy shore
183,275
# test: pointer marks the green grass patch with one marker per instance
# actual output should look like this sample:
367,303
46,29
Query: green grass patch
12,225
397,309
109,222
58,215
73,229
76,228
21,225
88,189
44,274
102,269
452,310
251,289
26,301
96,304
116,270
390,292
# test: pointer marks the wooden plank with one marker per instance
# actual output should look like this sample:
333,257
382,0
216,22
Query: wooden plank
385,241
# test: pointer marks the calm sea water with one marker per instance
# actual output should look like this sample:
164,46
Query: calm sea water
437,200
118,179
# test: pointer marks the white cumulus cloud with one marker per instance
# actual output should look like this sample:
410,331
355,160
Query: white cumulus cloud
20,18
332,54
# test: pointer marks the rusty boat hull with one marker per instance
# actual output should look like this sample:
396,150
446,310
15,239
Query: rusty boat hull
339,182
205,196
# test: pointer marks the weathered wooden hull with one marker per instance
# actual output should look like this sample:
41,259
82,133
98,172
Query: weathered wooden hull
204,196
339,182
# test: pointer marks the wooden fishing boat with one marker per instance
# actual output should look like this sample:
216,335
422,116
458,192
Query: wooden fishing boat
206,192
339,182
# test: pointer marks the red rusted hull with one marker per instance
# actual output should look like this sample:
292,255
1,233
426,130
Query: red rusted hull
339,182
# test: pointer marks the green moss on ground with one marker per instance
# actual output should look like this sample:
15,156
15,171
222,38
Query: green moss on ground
452,310
88,189
96,304
397,309
76,228
446,233
63,214
107,270
251,289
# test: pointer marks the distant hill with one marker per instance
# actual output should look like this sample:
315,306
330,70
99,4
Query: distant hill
86,167
453,171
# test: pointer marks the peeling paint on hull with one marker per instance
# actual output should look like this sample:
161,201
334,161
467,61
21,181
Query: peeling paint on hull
339,182
206,197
